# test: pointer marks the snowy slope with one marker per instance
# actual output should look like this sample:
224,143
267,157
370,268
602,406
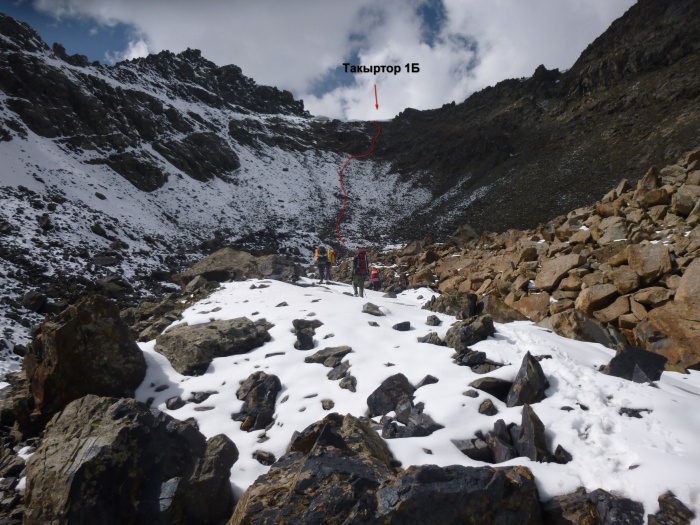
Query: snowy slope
638,458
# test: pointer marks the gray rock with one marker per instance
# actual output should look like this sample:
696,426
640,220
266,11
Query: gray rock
635,364
427,380
349,382
467,333
672,511
433,320
530,383
337,352
389,394
531,442
404,326
174,403
339,372
498,388
259,393
191,349
124,463
599,507
432,339
488,408
372,309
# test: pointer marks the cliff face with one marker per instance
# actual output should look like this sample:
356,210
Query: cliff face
516,154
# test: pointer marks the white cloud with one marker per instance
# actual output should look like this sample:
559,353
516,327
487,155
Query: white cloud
293,45
136,49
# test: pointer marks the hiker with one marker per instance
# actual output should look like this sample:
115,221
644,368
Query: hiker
375,280
359,272
403,280
331,261
321,260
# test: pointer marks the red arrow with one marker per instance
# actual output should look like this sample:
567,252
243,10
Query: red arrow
376,102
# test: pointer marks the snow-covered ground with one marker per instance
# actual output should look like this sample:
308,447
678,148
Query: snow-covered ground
637,458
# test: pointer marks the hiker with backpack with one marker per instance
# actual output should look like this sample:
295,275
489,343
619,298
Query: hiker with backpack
331,261
359,272
375,280
321,260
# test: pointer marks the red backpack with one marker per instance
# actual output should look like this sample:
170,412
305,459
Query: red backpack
361,263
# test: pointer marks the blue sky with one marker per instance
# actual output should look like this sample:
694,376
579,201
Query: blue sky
461,45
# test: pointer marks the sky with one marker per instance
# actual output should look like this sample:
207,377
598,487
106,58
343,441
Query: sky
640,458
461,46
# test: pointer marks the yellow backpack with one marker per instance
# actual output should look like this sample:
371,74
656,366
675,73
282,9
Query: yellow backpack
331,255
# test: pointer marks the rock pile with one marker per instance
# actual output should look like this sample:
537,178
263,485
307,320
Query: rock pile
624,271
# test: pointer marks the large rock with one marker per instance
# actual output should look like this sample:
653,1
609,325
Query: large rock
573,324
389,394
191,349
535,307
689,287
555,269
86,349
635,364
530,441
466,333
650,261
461,305
499,311
228,264
672,511
339,471
673,331
529,385
595,297
329,475
456,494
259,395
111,461
595,508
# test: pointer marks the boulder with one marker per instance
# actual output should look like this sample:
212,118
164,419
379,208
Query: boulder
488,408
635,364
329,475
673,331
456,494
433,320
431,338
460,305
498,310
625,279
86,349
597,507
191,349
573,324
672,511
688,291
610,230
653,296
466,333
595,297
228,264
414,423
555,269
339,471
613,312
650,261
305,330
535,307
259,393
530,442
115,461
389,394
403,326
529,385
498,388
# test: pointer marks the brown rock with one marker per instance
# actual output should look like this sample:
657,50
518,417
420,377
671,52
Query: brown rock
611,229
581,237
558,295
499,311
571,284
655,197
628,321
595,297
535,307
653,296
650,261
650,181
673,330
561,305
554,270
689,287
86,349
595,278
638,309
625,279
619,307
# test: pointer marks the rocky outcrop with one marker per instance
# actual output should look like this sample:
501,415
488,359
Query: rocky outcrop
598,506
86,349
340,463
529,385
111,461
466,333
228,264
191,349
